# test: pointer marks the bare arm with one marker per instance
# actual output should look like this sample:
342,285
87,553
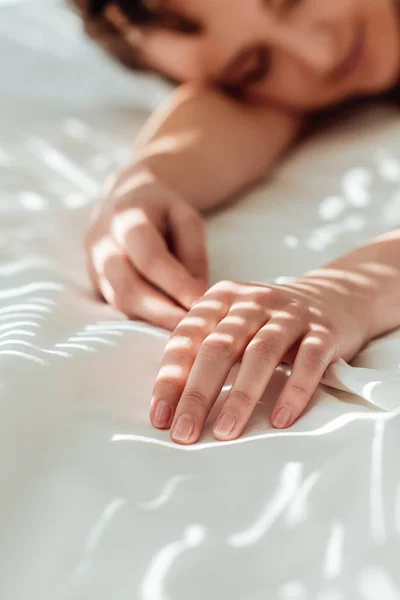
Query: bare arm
207,146
372,276
201,143
146,245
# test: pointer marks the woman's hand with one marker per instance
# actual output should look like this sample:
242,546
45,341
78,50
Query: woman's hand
309,324
146,249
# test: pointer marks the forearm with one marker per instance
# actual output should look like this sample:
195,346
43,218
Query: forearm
372,275
207,147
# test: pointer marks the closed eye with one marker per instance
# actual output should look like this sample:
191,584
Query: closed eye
258,70
251,68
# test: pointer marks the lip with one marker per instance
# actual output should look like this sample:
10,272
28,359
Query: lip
354,58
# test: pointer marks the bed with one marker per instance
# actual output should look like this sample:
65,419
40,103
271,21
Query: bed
96,504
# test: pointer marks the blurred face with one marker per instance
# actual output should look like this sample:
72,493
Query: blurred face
303,54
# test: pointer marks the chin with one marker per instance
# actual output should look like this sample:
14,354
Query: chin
385,78
383,83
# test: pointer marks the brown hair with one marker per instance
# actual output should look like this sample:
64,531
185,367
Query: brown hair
106,33
105,22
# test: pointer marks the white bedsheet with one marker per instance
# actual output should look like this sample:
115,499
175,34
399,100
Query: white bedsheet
95,504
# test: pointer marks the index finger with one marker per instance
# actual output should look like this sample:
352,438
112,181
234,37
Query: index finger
148,252
180,354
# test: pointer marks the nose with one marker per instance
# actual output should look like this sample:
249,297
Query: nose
315,47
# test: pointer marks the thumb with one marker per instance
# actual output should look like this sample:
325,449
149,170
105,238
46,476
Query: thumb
187,237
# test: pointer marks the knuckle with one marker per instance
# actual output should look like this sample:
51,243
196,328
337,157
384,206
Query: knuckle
220,347
196,399
179,344
295,311
223,286
241,398
270,292
211,306
147,263
315,357
299,390
266,296
284,330
281,329
183,331
263,349
167,387
177,356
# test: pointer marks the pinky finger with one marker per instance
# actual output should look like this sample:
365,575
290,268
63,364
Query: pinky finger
313,358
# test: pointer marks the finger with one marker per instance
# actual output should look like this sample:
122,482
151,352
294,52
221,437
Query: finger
314,357
261,358
189,241
181,352
217,355
126,291
94,280
100,203
148,252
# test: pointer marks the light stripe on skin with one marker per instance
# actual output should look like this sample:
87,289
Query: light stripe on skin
217,355
181,352
262,356
315,354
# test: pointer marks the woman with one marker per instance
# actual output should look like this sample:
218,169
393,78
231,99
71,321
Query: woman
252,72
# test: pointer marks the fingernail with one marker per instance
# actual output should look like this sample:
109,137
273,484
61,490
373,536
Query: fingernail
225,424
183,428
283,417
162,414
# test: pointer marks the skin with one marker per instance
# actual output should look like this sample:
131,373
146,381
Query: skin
325,315
146,245
306,41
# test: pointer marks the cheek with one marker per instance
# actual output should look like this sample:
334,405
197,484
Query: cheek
174,56
291,88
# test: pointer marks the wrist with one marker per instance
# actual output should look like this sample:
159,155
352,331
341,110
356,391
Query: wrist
148,177
364,290
373,276
350,300
141,179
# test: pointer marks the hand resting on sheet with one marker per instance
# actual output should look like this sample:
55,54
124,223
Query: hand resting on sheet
306,324
327,314
147,256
